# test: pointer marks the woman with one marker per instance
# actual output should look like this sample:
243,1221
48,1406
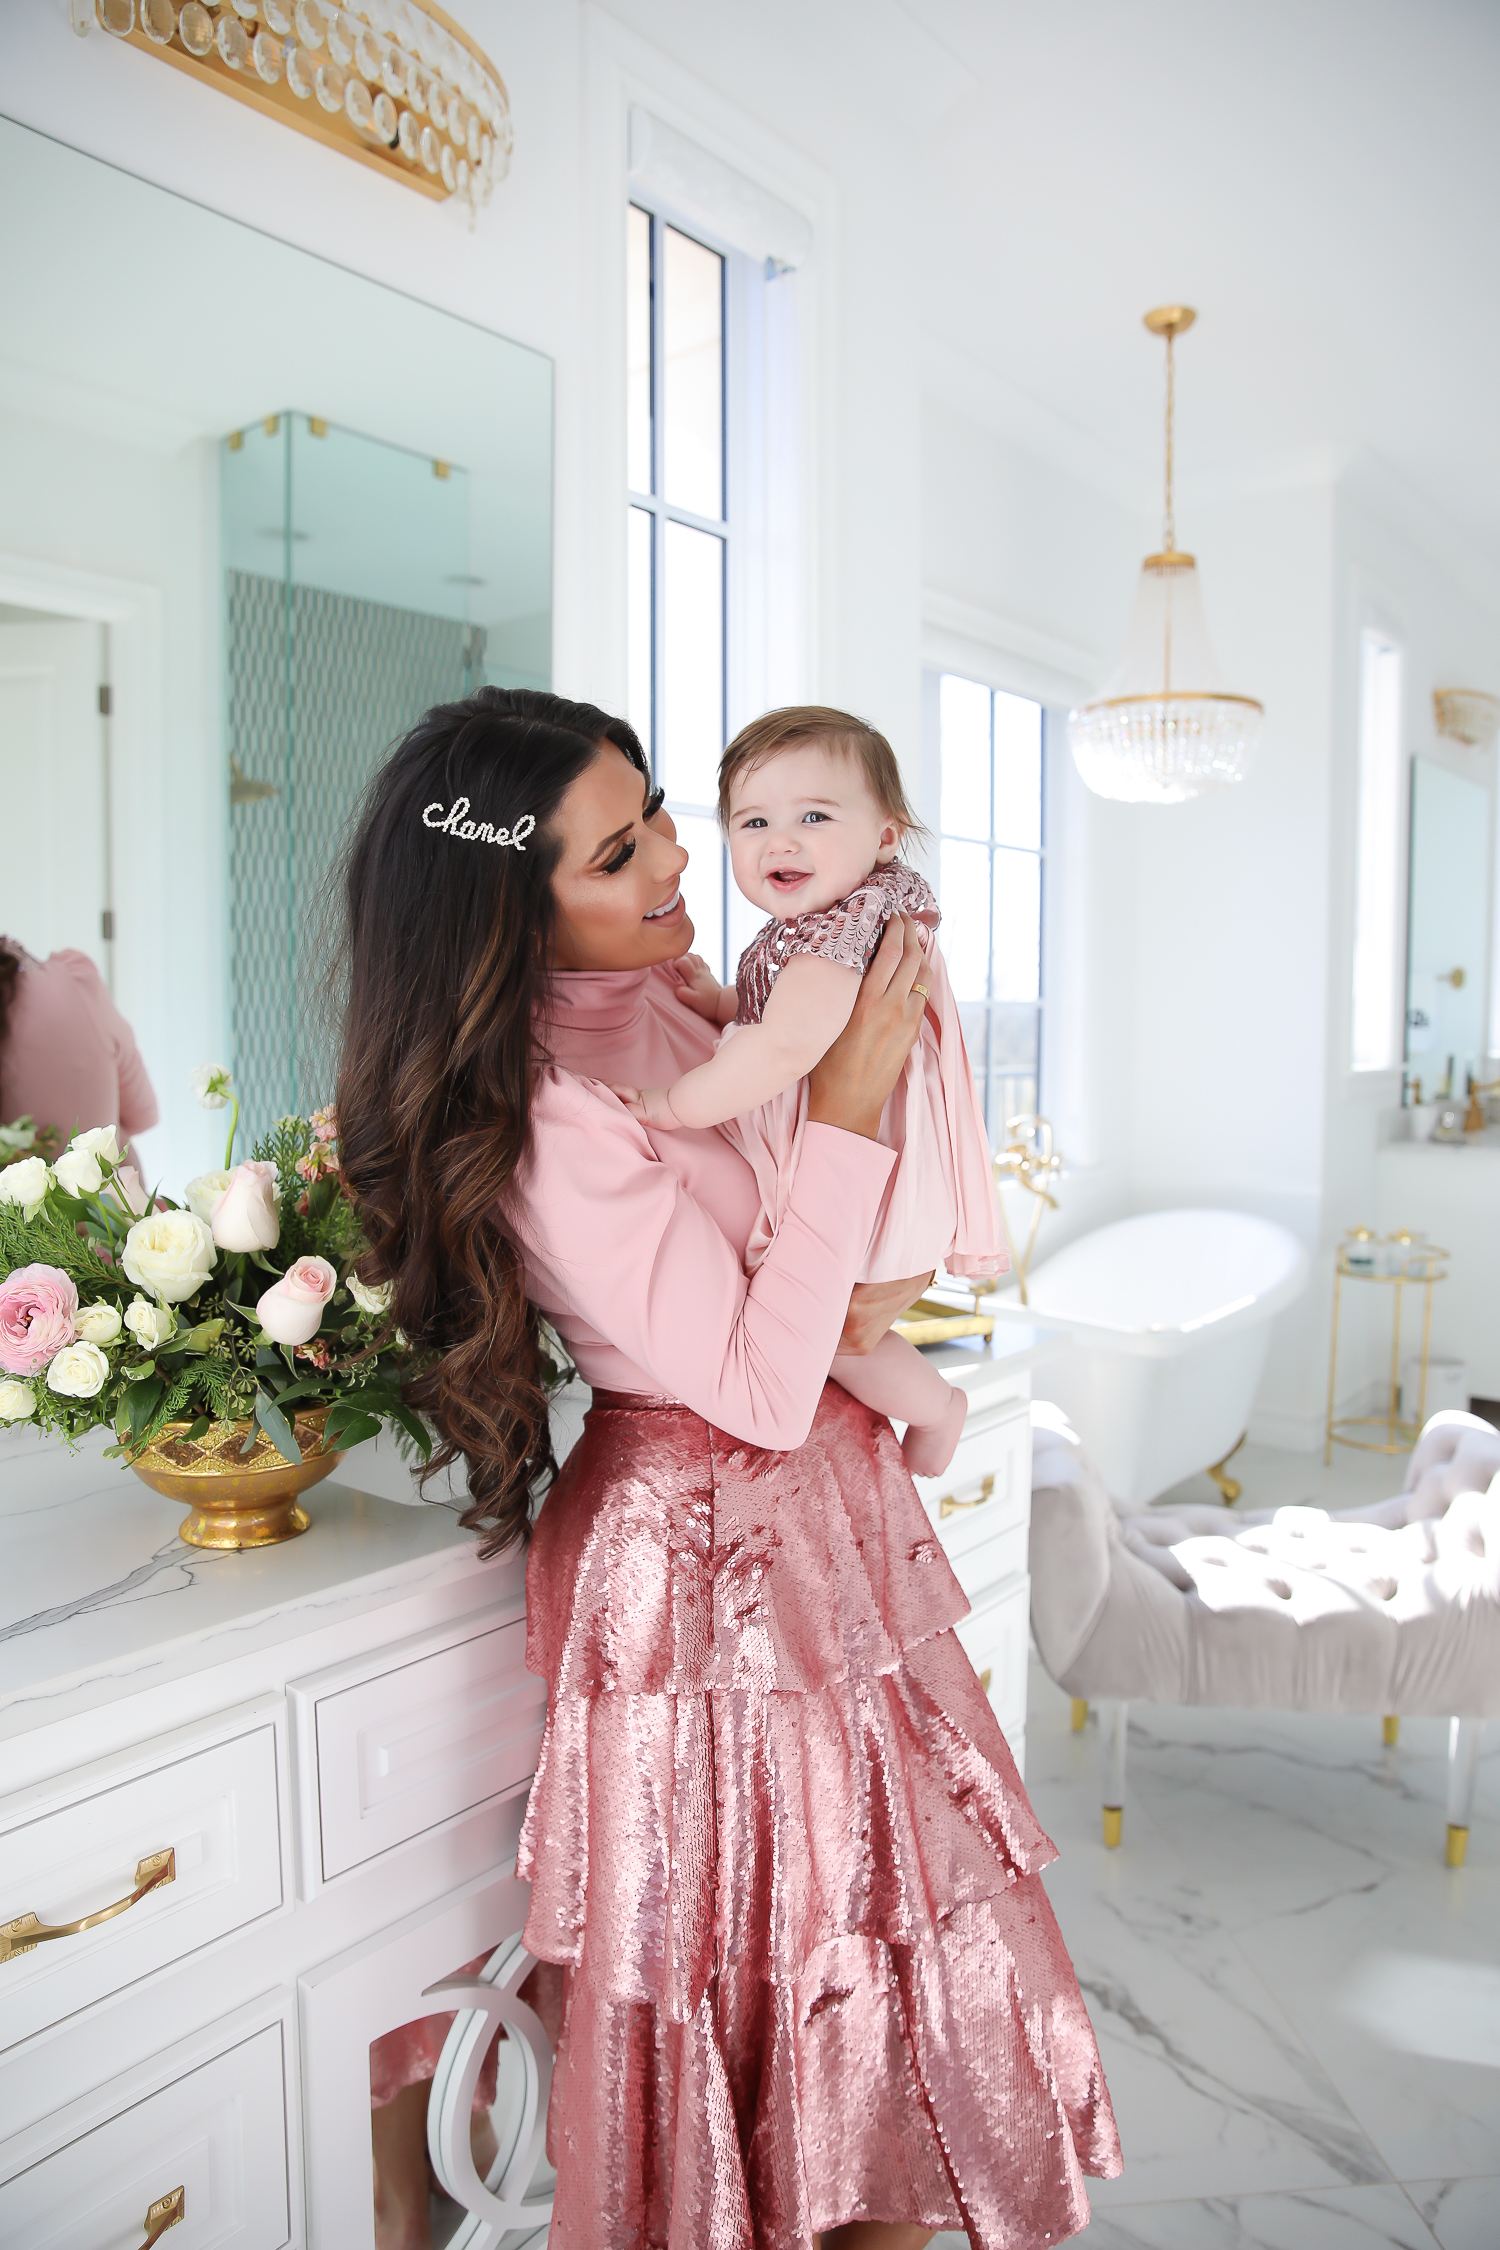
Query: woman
776,1841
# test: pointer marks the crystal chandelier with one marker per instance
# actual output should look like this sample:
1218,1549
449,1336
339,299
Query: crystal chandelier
394,83
1163,728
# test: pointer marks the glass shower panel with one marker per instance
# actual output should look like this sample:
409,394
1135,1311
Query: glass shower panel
348,588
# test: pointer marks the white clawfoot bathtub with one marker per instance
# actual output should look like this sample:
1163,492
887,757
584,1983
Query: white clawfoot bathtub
1170,1316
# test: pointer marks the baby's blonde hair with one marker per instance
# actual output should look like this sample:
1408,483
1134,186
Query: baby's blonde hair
800,723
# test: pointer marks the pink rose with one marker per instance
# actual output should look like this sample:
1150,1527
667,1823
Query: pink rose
290,1312
38,1306
245,1217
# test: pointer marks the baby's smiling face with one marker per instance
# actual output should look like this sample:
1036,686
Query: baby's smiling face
805,830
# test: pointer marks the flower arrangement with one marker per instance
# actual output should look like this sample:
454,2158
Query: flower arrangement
239,1305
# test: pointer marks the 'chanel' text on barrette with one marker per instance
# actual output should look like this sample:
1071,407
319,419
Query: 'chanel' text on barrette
453,823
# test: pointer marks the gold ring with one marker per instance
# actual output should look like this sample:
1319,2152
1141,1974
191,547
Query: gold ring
924,989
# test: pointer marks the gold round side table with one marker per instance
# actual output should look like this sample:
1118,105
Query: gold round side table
1397,1262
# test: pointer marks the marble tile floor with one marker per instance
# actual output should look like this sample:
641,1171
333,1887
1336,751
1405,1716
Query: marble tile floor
1273,1478
1297,2003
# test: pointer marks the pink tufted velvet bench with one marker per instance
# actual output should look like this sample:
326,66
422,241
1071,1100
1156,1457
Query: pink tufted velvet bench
1388,1609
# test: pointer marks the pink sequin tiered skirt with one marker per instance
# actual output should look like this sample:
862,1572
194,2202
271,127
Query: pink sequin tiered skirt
779,1845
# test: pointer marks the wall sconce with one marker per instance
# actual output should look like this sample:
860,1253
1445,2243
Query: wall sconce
1467,715
394,83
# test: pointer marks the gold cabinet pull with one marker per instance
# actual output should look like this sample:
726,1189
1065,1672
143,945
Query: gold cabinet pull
948,1506
25,1933
985,1678
164,2212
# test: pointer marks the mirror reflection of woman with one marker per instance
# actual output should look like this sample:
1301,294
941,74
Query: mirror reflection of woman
776,1843
68,1058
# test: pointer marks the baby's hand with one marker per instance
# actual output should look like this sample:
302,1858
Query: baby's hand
649,1104
701,989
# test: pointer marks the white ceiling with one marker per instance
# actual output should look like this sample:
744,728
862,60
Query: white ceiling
1320,178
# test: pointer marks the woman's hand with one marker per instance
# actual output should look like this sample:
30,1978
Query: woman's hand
872,1308
852,1083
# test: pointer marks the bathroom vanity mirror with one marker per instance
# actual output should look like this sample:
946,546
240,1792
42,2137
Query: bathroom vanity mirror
1448,929
270,509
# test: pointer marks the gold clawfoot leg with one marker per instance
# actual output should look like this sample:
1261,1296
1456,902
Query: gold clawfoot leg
1457,1846
1230,1487
1390,1730
1114,1821
1080,1713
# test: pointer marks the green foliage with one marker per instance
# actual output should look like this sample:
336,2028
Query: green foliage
52,1239
217,1365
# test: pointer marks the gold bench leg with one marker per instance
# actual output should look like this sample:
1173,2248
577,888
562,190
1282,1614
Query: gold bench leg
1456,1849
1230,1488
1390,1730
1080,1713
1114,1821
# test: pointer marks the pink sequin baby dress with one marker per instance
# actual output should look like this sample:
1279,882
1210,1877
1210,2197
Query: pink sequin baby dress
940,1207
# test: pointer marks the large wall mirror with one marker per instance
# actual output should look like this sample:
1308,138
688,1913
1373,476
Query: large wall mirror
1449,926
274,510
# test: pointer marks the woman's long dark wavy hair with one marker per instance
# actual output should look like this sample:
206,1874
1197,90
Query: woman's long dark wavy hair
447,947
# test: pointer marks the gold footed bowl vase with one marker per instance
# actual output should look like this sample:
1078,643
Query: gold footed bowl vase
236,1499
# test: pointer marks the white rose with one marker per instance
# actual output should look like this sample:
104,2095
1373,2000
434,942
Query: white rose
78,1371
24,1183
169,1252
17,1400
80,1168
376,1300
211,1083
204,1192
148,1324
97,1324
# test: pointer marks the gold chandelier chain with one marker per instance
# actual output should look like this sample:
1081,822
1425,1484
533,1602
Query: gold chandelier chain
1170,537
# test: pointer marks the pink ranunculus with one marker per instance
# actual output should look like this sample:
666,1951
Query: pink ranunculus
289,1313
38,1306
245,1217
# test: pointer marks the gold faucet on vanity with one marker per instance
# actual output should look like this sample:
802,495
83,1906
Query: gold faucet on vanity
1029,1158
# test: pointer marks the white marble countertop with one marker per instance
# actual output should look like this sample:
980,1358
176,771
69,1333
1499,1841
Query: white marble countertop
99,1596
1014,1347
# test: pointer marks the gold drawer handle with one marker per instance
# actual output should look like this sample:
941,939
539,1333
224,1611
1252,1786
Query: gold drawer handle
26,1933
164,2212
948,1506
985,1678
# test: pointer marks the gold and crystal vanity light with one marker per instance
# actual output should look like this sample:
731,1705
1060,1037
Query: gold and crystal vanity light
395,84
1163,728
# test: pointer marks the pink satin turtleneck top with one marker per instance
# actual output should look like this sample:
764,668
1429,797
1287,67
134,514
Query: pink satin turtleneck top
634,1240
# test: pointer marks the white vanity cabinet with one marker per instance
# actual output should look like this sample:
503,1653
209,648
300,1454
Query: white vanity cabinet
981,1509
296,1776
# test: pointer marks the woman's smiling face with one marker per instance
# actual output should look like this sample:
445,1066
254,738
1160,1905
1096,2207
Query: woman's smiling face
619,904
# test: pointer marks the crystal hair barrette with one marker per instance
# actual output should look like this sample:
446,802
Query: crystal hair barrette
453,823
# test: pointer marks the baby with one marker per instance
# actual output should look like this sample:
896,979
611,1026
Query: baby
815,813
